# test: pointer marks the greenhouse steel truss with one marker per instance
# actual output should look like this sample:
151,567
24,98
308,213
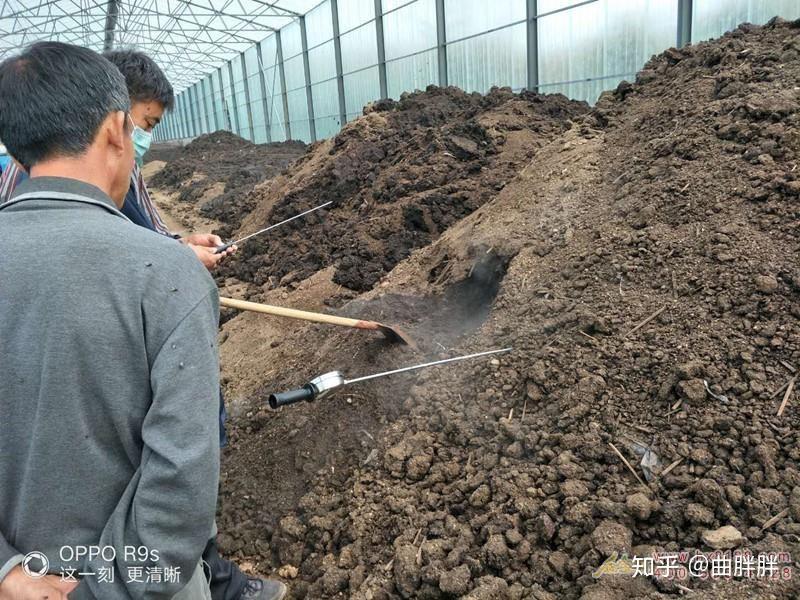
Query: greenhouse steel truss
300,69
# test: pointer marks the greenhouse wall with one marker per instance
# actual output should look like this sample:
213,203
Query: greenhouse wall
305,81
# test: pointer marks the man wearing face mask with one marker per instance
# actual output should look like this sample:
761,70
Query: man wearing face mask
109,394
151,95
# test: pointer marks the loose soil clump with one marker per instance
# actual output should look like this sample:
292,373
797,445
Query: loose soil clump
220,169
644,268
398,177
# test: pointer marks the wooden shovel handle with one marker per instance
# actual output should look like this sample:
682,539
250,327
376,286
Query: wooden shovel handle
292,313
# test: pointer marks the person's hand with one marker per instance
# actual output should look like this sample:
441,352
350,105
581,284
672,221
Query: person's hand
19,586
204,245
63,586
207,240
207,255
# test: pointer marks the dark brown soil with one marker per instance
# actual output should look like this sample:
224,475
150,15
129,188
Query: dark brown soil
650,248
165,152
226,160
398,177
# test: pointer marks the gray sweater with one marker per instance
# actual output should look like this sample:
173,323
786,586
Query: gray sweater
109,383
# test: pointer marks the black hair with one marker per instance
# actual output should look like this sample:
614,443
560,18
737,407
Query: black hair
145,79
53,99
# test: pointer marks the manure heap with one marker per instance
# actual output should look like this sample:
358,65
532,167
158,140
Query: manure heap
634,254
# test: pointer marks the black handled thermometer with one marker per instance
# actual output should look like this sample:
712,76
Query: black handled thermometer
324,384
221,249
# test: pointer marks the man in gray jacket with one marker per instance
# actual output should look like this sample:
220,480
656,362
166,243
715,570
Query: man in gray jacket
109,384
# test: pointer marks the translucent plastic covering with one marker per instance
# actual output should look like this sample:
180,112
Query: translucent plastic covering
273,70
710,18
575,47
589,48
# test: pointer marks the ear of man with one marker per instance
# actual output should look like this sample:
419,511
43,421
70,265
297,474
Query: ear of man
117,131
115,146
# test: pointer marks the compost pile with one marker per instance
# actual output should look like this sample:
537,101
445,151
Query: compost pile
163,152
647,276
218,170
398,177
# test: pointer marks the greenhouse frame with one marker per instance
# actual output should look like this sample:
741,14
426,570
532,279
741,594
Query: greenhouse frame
272,71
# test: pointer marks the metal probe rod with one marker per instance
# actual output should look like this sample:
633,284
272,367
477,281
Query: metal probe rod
422,366
224,247
310,210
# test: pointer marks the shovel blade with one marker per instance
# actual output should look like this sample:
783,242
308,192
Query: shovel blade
396,335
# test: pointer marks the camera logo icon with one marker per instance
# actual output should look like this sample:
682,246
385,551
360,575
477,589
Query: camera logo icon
35,564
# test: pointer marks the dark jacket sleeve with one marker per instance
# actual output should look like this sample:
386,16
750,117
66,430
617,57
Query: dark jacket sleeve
170,504
130,208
